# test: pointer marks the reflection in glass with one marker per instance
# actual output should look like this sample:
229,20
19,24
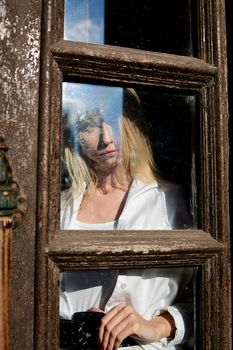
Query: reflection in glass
112,139
84,21
134,303
162,26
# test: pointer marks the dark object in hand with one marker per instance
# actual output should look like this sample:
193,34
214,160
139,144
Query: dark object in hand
82,332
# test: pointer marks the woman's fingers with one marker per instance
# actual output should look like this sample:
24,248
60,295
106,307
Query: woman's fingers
124,329
116,332
116,325
123,321
110,320
95,309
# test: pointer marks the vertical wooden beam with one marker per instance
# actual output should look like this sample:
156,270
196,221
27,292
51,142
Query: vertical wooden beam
5,280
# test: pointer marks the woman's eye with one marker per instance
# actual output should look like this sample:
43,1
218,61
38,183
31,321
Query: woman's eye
82,142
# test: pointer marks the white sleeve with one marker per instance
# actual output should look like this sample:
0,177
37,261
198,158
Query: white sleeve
179,324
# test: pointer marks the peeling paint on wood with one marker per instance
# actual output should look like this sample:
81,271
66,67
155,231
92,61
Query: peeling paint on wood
19,78
20,27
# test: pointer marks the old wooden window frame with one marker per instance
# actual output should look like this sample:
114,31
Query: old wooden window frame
207,248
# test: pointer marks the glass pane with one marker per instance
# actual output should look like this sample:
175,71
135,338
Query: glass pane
163,26
133,303
128,158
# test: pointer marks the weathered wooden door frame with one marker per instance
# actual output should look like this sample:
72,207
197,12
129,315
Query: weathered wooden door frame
22,28
207,75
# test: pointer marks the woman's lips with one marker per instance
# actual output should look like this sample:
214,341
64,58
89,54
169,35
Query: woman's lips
108,152
108,155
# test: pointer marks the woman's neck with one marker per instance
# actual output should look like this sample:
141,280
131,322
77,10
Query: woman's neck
110,179
110,183
106,202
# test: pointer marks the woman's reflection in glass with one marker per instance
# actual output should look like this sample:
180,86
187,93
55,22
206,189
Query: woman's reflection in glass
115,185
114,182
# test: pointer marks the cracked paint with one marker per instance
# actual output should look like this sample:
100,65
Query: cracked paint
20,26
19,79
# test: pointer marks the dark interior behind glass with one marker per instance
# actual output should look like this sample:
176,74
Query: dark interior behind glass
160,26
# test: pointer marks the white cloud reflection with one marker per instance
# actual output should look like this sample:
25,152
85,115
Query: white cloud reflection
85,31
84,21
80,98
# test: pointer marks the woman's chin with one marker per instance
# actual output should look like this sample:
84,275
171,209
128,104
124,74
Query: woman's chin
107,163
110,162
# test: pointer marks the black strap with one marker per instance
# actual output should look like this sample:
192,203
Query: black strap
109,278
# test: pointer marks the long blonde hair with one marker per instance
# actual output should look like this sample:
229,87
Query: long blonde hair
136,154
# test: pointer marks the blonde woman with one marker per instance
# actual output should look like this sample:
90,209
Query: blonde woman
115,185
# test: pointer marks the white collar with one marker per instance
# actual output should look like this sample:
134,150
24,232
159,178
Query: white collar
137,187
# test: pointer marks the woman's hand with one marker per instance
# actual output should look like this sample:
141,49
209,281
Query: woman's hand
123,321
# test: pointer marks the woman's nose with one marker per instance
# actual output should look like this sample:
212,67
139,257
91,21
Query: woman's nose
106,136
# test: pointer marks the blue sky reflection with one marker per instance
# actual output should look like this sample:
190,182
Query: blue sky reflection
80,99
84,21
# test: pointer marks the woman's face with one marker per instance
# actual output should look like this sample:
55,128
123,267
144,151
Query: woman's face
98,144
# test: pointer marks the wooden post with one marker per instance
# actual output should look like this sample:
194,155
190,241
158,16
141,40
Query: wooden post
5,280
8,204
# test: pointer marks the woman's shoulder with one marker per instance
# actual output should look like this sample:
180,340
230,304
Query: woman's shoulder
139,186
70,196
70,203
146,195
177,207
169,195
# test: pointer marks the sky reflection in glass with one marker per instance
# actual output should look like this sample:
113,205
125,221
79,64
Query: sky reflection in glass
84,21
80,99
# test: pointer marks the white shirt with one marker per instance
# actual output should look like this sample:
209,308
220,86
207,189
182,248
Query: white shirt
145,209
149,291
